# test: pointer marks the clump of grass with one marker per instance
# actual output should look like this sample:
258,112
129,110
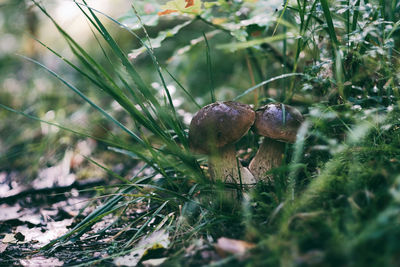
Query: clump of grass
159,138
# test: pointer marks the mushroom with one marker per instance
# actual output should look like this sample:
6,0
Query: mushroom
278,123
214,129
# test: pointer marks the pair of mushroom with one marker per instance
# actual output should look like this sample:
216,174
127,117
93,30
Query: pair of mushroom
216,128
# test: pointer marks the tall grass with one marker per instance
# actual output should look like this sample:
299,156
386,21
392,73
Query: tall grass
167,153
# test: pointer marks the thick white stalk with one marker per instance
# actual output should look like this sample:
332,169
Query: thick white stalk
223,166
269,155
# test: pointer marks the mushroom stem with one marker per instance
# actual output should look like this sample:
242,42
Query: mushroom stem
269,155
223,166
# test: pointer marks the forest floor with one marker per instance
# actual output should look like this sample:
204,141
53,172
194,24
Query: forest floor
32,217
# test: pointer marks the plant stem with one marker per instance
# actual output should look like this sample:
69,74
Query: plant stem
223,166
268,156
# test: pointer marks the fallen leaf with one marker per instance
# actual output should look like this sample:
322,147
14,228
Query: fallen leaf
19,214
41,261
158,239
58,175
154,262
3,247
54,230
9,185
9,212
232,246
9,238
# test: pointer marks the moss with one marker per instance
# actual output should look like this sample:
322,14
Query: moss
347,215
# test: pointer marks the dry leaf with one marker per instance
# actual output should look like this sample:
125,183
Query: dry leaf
10,212
41,261
158,239
166,12
181,6
232,246
58,175
9,238
189,3
154,262
3,247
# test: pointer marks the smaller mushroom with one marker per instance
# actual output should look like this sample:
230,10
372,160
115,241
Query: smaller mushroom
278,123
214,130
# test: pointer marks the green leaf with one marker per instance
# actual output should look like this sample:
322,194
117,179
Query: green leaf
147,10
329,22
156,42
211,4
237,46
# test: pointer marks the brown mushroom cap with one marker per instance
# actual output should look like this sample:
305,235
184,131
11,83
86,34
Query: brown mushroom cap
219,124
271,123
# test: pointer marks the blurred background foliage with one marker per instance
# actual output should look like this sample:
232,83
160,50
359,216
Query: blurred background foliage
345,60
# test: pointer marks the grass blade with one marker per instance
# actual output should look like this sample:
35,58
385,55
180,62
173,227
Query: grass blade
183,88
209,67
266,82
84,97
145,224
355,15
329,22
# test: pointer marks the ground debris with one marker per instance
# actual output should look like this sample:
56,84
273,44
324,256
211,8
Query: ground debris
232,246
27,224
41,261
157,240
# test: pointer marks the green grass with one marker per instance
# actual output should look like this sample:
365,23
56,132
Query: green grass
338,213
